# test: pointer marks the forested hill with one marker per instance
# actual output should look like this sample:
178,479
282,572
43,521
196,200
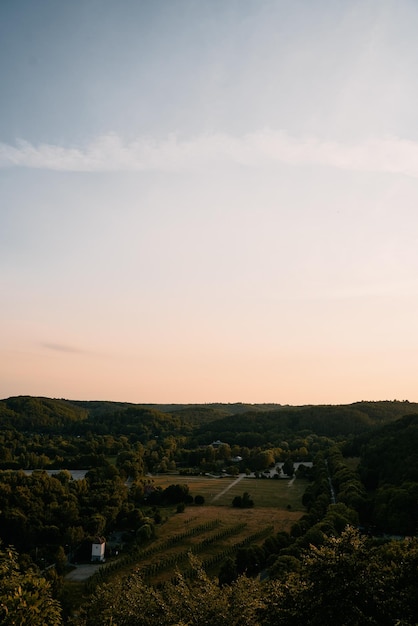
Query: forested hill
28,413
233,423
257,427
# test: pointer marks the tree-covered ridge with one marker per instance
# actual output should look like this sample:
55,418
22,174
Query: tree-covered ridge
32,414
205,422
258,427
143,422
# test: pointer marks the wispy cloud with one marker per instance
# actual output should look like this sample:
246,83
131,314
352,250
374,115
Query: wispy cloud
110,153
57,347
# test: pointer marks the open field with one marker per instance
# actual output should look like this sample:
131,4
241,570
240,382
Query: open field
281,493
255,519
268,493
202,485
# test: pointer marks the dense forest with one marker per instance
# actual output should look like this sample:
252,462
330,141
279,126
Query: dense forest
350,556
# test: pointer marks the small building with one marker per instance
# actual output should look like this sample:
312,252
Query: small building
98,550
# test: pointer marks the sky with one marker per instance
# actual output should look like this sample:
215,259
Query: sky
209,200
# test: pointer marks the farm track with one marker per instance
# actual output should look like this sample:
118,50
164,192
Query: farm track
224,491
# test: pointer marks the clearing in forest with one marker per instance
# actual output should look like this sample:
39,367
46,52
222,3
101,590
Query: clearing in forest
266,492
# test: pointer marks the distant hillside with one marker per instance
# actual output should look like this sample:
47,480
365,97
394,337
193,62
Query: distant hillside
29,413
47,414
258,427
243,424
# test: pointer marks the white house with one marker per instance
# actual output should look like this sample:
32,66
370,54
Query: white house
98,550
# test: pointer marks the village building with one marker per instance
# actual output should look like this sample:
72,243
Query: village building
98,550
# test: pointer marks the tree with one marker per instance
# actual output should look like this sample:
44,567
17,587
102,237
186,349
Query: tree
237,502
224,451
173,494
288,468
247,502
228,572
283,565
25,597
243,502
145,532
263,460
249,560
96,524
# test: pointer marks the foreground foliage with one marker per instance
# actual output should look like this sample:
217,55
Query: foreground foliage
199,600
348,581
25,597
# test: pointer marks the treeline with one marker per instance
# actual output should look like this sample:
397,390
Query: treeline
257,428
205,422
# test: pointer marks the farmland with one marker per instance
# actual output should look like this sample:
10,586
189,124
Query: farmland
275,494
213,531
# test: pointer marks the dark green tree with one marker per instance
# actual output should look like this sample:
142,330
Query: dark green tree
349,581
228,572
25,597
288,468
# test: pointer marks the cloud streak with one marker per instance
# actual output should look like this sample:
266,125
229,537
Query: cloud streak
109,153
57,347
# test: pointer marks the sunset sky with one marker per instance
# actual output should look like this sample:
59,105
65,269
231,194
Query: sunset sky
209,200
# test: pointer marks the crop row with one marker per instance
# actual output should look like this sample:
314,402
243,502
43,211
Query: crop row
175,559
174,539
103,573
221,556
139,555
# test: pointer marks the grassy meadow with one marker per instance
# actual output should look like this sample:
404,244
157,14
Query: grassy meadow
281,494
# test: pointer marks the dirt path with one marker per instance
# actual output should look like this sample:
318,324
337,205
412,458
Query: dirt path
234,482
82,572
